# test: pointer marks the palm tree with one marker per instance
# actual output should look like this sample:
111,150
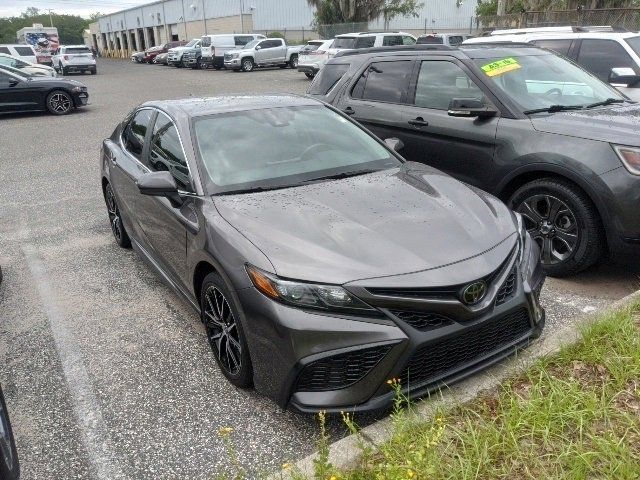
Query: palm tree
351,10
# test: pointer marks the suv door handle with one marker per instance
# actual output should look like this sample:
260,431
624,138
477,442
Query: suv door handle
418,122
349,111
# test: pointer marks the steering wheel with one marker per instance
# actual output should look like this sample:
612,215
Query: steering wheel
553,91
313,149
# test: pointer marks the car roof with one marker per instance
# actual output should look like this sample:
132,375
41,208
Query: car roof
204,106
369,34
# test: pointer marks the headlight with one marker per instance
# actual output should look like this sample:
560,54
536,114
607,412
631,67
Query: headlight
522,234
76,89
630,158
305,295
234,55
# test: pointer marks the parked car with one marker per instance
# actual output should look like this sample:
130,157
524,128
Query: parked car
313,56
192,58
152,52
269,52
554,142
35,69
322,264
161,59
74,58
214,47
9,467
22,92
23,52
175,54
138,57
600,50
357,41
449,39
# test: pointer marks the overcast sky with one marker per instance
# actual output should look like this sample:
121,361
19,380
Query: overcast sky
10,8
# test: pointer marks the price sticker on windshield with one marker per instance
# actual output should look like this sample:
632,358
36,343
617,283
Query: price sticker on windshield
499,67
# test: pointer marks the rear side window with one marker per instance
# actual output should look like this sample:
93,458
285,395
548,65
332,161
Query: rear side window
634,43
392,40
600,56
166,154
407,40
135,132
384,82
345,42
365,42
327,78
24,51
559,46
206,41
77,50
455,40
5,50
430,40
440,81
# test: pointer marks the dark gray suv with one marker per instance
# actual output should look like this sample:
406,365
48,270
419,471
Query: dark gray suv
558,145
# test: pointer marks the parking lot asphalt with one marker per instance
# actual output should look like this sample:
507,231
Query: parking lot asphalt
107,373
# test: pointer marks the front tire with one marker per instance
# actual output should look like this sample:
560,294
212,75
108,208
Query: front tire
564,222
247,65
221,318
293,61
115,219
59,102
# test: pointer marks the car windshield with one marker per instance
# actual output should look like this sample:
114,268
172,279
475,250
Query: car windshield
9,61
541,81
344,42
192,42
283,147
15,71
252,44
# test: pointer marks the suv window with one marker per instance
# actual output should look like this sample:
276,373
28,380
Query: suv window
384,81
135,132
77,50
407,40
440,81
634,43
5,50
24,51
455,40
365,42
242,40
206,41
344,42
600,56
328,76
430,40
165,152
391,40
557,45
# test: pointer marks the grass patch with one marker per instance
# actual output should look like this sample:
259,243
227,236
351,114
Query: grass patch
574,415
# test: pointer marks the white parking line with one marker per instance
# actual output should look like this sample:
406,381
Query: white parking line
85,406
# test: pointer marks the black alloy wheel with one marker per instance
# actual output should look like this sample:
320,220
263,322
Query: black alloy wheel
59,103
563,222
224,331
115,220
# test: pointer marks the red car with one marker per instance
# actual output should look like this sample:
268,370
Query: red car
150,54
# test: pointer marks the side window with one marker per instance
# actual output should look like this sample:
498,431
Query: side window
242,40
165,152
455,40
5,50
559,46
407,40
271,43
365,42
391,40
600,56
5,79
135,132
440,81
384,82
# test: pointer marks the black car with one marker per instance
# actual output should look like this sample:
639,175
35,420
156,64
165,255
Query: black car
554,142
322,264
21,92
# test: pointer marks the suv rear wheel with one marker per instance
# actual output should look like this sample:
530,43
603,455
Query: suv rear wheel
563,221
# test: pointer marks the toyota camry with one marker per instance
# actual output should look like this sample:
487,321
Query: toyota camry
321,263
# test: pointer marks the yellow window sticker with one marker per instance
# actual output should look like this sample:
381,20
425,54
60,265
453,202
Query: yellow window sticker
499,67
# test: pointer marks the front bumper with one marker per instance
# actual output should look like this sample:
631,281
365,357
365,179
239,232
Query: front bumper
233,64
334,362
81,99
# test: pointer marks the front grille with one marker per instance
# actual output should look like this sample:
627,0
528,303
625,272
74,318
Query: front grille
508,288
423,321
437,360
340,371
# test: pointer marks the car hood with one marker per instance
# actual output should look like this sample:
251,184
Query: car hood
178,49
63,82
393,222
616,124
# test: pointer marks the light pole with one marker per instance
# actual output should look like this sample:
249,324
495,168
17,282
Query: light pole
241,16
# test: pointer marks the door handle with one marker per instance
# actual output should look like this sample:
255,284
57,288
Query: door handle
418,122
349,111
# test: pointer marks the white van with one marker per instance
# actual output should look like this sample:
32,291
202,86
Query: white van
213,47
23,52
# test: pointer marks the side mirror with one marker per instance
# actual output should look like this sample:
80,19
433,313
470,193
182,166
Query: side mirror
160,184
394,143
258,47
624,76
470,107
13,82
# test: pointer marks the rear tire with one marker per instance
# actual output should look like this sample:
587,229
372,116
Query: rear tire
310,76
222,319
293,61
564,222
115,219
94,71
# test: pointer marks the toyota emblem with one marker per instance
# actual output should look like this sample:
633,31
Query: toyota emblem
474,292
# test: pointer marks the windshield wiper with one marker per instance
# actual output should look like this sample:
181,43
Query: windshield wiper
608,101
553,109
338,176
255,189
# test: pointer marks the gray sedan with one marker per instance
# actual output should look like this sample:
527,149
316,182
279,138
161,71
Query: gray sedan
321,263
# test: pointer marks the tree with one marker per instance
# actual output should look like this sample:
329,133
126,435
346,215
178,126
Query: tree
31,12
70,27
355,11
394,8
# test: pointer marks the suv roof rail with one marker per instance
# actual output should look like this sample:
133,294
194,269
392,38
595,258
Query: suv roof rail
599,28
397,48
502,43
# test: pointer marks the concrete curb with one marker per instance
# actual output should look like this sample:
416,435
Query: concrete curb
345,452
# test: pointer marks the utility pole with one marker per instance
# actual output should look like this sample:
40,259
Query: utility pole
50,17
502,7
241,16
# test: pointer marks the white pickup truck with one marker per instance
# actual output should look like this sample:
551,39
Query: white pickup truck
269,52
